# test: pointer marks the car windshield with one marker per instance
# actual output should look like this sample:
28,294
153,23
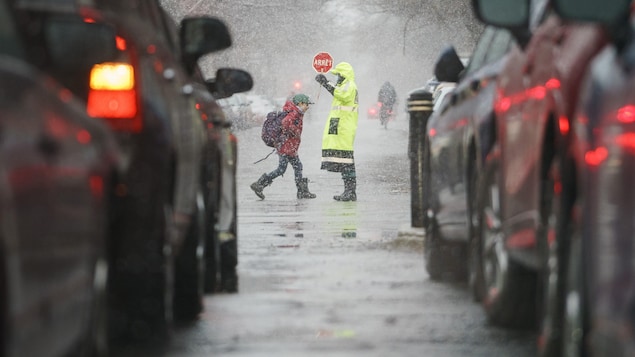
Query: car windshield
9,41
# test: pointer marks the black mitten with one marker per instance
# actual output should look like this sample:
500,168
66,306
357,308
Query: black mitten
320,78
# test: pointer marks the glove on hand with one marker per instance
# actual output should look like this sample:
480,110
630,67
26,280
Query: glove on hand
320,78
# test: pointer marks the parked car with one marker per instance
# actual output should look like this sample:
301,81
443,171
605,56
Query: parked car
260,106
457,135
146,97
440,94
219,176
218,180
237,109
597,224
56,170
538,90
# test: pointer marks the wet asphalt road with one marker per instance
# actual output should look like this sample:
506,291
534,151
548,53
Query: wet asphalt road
320,277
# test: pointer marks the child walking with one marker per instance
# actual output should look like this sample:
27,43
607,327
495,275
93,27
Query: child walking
287,148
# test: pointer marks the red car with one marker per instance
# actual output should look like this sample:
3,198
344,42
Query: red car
521,186
598,295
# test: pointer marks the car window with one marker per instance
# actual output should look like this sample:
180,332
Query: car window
492,45
538,13
9,41
480,51
499,46
170,28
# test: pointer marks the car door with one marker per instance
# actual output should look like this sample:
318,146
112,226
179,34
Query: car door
450,131
51,202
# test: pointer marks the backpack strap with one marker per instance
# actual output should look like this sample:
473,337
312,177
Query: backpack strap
265,158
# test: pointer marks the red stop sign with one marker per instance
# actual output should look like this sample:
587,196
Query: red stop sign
322,62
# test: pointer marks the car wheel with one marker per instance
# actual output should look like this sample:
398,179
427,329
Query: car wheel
141,283
553,246
188,277
443,259
229,256
212,249
509,288
475,266
433,251
573,330
98,333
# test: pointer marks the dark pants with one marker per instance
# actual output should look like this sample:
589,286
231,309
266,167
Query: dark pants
283,162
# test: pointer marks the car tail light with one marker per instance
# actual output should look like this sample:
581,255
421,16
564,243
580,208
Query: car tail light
626,114
563,124
597,156
113,96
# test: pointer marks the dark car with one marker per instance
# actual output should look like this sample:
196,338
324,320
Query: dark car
219,175
597,226
56,170
146,97
537,93
454,145
218,170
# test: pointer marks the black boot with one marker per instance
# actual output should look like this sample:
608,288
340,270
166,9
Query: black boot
349,194
303,188
260,185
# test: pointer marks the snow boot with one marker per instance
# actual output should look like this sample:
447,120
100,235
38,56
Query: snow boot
303,189
349,194
260,185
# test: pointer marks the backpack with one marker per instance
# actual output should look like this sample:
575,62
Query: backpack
272,128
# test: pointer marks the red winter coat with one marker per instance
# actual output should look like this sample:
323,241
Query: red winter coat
291,130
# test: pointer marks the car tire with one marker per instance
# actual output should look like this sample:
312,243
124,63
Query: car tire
229,247
188,276
98,344
221,248
433,251
229,257
212,248
443,259
509,298
474,264
554,249
574,327
141,295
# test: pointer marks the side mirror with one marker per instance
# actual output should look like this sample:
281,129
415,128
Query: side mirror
229,81
603,12
613,15
513,15
200,36
449,66
77,45
503,13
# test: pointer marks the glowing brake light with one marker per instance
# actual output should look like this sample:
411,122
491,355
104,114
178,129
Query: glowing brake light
597,156
626,114
113,96
112,76
563,124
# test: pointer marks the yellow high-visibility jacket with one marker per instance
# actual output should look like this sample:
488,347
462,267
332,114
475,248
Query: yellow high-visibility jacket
341,126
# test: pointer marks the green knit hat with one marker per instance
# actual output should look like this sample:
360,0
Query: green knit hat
301,98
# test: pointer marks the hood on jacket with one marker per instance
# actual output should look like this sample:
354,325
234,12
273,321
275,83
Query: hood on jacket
290,107
345,70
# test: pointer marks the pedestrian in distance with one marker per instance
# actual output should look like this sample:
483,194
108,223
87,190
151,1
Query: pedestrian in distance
387,95
341,128
386,99
287,148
